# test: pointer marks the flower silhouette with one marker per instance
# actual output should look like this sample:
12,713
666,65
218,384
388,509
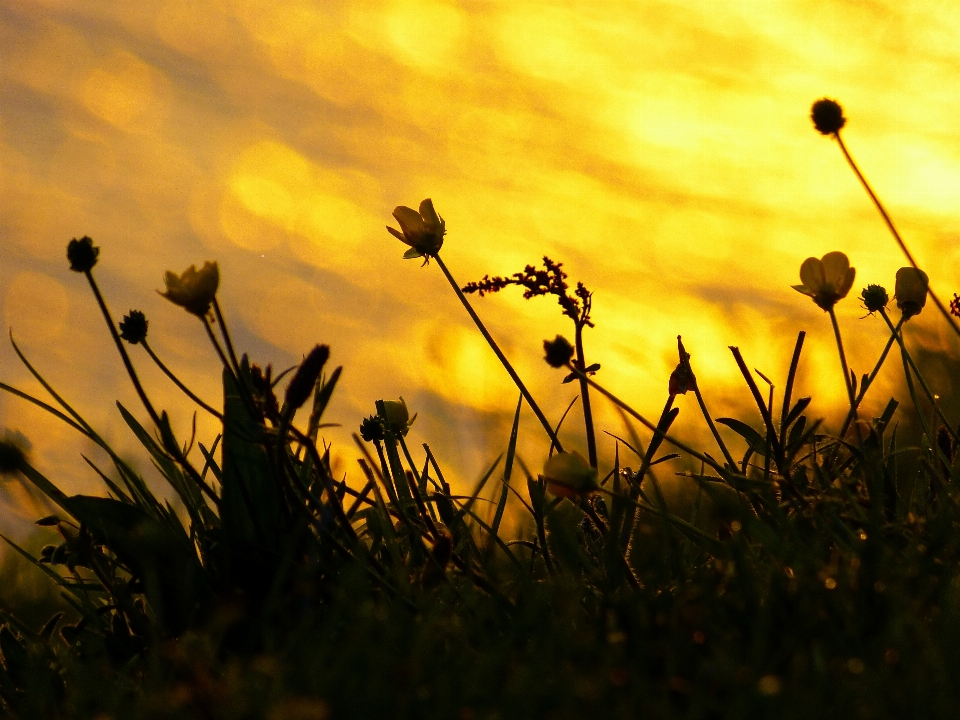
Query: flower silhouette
568,474
423,231
826,280
911,291
194,289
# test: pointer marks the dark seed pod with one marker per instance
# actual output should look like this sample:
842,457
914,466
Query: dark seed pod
558,351
303,382
82,254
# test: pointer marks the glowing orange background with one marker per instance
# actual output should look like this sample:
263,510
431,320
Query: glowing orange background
661,150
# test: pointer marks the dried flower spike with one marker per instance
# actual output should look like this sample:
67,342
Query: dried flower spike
826,280
423,231
827,116
911,291
133,327
305,379
82,254
194,289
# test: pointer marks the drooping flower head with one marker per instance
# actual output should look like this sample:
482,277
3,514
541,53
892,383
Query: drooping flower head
423,231
568,474
827,116
826,280
911,291
194,289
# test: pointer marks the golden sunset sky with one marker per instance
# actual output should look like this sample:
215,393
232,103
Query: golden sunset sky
661,150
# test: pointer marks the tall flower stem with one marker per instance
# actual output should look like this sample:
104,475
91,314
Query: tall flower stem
713,427
657,432
226,336
870,378
848,383
585,399
134,378
176,381
916,371
500,356
893,230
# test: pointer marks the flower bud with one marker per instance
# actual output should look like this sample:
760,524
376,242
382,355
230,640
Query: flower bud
558,351
911,291
682,378
568,474
194,289
133,327
827,116
305,379
82,254
874,298
371,429
398,417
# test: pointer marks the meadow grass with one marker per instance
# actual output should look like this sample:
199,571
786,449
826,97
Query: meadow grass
803,573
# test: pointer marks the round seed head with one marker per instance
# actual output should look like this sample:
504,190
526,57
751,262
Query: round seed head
82,254
827,116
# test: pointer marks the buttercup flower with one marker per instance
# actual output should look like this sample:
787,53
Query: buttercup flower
194,290
874,298
82,254
423,231
398,417
827,116
568,474
133,327
911,291
826,280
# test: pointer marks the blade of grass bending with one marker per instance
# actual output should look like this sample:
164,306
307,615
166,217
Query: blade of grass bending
114,488
507,471
788,390
761,405
53,393
56,577
49,408
480,485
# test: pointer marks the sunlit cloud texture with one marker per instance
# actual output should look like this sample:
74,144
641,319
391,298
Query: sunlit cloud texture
661,150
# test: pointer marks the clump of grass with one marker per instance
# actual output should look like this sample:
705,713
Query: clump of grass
816,575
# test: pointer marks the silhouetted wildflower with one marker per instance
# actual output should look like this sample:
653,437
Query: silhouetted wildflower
133,327
826,280
827,116
82,254
13,451
398,417
194,289
371,429
423,231
682,378
874,298
558,351
568,474
911,291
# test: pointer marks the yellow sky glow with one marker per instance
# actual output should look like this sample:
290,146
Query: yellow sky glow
661,150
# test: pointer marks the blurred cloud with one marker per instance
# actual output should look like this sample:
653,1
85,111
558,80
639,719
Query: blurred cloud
660,149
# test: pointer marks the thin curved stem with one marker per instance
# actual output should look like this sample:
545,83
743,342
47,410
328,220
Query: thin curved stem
848,383
916,371
713,427
176,381
893,230
585,399
500,356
